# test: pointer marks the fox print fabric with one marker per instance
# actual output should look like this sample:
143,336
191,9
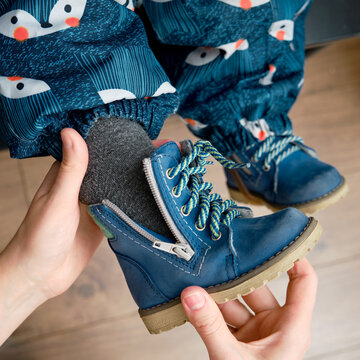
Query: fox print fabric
237,64
63,63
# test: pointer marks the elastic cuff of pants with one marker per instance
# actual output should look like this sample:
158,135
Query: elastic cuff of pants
150,113
227,142
226,132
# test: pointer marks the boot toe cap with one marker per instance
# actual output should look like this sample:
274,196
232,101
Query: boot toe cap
255,240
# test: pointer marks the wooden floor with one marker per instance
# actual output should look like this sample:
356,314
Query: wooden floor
97,319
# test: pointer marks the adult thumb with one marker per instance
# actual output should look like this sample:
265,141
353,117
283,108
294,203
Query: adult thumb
205,316
73,166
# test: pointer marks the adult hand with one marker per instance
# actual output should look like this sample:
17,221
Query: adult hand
53,244
272,332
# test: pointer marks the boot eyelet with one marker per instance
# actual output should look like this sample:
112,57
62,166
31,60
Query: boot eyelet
183,211
174,194
216,239
198,228
167,174
266,168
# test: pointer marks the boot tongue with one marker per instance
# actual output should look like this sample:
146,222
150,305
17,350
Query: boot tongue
187,147
171,148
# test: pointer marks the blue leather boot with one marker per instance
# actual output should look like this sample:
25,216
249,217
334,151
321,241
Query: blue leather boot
215,244
284,172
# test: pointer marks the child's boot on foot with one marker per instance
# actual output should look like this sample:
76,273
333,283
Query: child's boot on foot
284,172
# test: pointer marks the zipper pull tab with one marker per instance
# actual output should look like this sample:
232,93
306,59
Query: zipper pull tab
183,251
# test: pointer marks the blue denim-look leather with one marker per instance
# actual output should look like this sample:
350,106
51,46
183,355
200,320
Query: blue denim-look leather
155,277
299,178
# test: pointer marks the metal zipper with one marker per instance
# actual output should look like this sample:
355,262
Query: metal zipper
180,250
183,251
149,173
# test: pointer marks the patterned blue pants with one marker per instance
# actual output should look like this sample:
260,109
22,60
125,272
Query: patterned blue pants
231,68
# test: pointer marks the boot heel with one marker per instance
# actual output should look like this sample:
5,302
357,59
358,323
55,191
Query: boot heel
163,320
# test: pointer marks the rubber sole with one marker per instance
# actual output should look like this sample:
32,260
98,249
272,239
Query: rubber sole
309,207
166,316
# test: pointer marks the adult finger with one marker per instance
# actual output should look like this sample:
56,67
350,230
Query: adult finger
88,239
301,292
48,181
207,320
235,313
89,235
261,299
73,166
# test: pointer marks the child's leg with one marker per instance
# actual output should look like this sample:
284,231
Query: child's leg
238,67
85,65
220,65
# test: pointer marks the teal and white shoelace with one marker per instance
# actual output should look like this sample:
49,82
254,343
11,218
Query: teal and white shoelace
277,149
192,169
